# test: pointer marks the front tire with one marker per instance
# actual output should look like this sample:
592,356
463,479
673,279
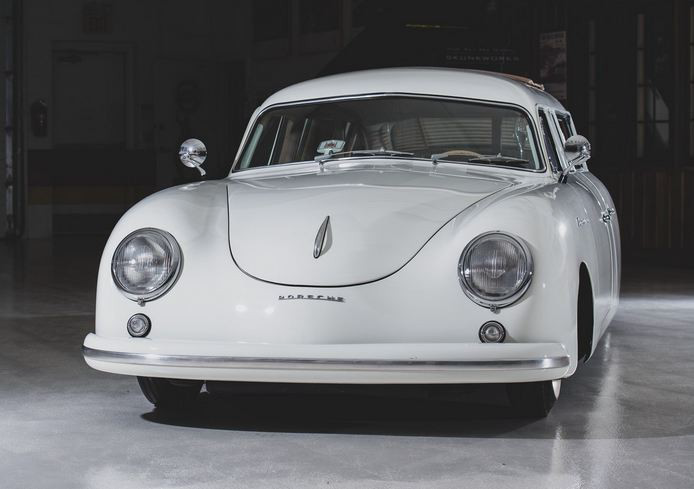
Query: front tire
170,394
534,399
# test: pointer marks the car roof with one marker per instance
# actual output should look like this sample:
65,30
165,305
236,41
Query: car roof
447,82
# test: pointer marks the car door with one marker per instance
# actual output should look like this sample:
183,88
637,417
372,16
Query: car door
603,223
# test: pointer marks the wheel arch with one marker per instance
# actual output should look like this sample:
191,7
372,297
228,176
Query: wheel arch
585,314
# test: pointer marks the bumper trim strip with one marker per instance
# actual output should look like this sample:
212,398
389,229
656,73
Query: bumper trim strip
201,361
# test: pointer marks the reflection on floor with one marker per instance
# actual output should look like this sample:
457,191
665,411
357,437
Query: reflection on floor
625,420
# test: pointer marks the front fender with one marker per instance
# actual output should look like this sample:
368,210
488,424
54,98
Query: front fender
545,216
214,301
196,215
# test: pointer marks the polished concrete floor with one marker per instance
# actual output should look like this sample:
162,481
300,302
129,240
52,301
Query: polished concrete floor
626,420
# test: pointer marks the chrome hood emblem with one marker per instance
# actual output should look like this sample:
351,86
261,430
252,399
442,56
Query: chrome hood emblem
320,241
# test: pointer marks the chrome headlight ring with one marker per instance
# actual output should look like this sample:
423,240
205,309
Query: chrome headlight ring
486,300
173,258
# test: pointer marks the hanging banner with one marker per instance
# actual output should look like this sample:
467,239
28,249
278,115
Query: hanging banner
553,63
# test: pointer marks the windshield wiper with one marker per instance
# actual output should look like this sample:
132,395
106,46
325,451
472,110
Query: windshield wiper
498,159
362,152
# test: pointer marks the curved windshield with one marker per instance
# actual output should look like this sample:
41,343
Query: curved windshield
393,127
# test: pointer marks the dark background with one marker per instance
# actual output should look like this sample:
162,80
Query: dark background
98,95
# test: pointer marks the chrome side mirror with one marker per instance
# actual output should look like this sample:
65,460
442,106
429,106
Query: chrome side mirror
193,154
577,151
577,148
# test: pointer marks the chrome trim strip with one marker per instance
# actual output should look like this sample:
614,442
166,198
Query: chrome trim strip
200,361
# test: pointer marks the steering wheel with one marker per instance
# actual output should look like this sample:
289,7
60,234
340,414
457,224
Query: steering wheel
460,152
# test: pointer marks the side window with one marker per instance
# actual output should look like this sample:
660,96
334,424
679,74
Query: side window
549,141
564,121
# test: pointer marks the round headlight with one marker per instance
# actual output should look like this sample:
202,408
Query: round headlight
495,269
146,264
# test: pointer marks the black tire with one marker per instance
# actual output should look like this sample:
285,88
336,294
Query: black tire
532,399
170,394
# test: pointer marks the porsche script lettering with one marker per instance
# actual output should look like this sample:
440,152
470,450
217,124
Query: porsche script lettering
311,297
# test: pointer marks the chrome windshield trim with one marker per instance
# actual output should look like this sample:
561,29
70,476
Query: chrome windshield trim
496,103
199,361
250,172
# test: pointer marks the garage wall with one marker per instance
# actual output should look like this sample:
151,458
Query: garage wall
3,221
124,82
5,12
109,74
638,69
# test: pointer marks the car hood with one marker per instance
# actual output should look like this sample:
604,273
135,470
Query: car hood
381,215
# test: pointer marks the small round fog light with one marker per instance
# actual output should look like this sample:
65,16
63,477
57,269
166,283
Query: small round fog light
139,325
492,332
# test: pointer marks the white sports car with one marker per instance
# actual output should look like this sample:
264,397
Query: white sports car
395,226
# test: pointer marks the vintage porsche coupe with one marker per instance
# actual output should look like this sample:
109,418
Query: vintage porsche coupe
395,226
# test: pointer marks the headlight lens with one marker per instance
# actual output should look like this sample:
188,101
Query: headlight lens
495,269
146,264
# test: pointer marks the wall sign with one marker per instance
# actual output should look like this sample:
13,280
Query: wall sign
553,63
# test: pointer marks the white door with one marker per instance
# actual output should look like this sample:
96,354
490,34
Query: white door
603,223
611,223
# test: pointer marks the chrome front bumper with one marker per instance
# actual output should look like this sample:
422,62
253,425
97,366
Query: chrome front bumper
396,363
204,361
